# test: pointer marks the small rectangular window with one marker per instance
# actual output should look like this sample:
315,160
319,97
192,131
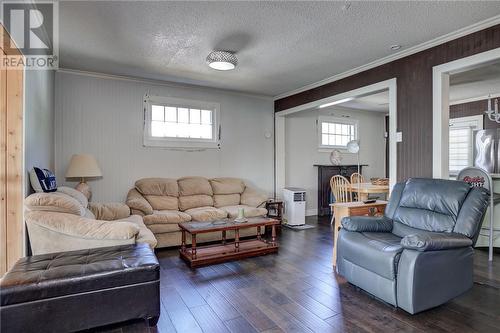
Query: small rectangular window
461,143
180,123
336,132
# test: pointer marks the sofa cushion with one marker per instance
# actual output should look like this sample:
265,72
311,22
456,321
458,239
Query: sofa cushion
252,197
158,186
166,217
89,214
162,202
194,201
232,211
164,227
74,194
109,211
54,202
227,185
222,200
193,186
206,214
377,252
145,235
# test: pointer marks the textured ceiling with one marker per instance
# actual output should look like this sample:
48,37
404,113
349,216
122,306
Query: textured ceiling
479,82
281,46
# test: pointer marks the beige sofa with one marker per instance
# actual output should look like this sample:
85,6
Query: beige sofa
65,221
165,202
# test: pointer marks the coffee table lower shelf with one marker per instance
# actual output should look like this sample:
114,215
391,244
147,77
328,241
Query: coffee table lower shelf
214,254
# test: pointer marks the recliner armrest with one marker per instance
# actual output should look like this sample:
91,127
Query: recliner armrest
367,224
435,241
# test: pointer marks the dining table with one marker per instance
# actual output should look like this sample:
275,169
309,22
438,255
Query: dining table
363,189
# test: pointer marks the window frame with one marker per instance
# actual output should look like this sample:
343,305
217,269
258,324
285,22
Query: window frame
476,121
335,120
177,142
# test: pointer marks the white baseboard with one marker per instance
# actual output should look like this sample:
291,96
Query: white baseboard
311,212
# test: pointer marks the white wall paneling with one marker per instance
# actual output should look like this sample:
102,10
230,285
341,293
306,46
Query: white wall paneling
38,122
103,116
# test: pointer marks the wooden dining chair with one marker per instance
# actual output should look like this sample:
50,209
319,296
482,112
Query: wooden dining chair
340,187
357,178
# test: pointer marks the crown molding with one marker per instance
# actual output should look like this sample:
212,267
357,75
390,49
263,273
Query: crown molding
474,99
412,50
157,82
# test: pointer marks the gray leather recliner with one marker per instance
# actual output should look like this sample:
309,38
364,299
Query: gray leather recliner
419,254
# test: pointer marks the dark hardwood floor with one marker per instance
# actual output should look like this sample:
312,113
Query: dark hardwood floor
296,290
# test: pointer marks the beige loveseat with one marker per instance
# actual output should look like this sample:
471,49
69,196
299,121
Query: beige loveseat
65,221
165,202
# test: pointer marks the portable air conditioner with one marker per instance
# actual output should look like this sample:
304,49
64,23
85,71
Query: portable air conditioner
295,205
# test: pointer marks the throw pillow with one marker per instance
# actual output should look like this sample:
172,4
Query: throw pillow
43,180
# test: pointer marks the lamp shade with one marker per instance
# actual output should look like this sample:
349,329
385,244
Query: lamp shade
83,166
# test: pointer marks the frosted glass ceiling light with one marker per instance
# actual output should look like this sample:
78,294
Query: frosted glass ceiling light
222,60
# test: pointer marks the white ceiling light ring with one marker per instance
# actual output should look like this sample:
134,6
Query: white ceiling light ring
222,60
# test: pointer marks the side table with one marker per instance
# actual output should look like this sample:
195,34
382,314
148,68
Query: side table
355,208
275,209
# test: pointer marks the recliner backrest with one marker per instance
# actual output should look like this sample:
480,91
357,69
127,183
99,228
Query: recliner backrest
436,205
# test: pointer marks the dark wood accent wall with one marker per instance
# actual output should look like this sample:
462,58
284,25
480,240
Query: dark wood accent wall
473,109
414,95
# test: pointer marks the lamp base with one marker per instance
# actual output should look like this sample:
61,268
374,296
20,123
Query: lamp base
85,189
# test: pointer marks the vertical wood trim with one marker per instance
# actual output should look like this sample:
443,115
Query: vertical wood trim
3,170
14,166
11,160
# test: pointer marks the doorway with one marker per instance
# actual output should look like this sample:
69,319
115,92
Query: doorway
280,128
441,105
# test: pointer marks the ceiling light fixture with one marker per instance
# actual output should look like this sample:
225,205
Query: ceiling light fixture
340,101
395,47
222,60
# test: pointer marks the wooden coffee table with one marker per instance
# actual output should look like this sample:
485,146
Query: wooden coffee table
211,254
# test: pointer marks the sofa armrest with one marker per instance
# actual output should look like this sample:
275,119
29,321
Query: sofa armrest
137,202
81,226
367,224
57,232
435,241
109,211
253,197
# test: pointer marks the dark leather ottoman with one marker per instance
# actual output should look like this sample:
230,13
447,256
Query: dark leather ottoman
70,291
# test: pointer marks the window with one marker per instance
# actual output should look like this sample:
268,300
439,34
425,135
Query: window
336,132
461,131
179,123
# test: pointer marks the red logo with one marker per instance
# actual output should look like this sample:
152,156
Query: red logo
474,181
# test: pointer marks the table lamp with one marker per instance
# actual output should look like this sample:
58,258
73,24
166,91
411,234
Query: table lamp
353,147
83,166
